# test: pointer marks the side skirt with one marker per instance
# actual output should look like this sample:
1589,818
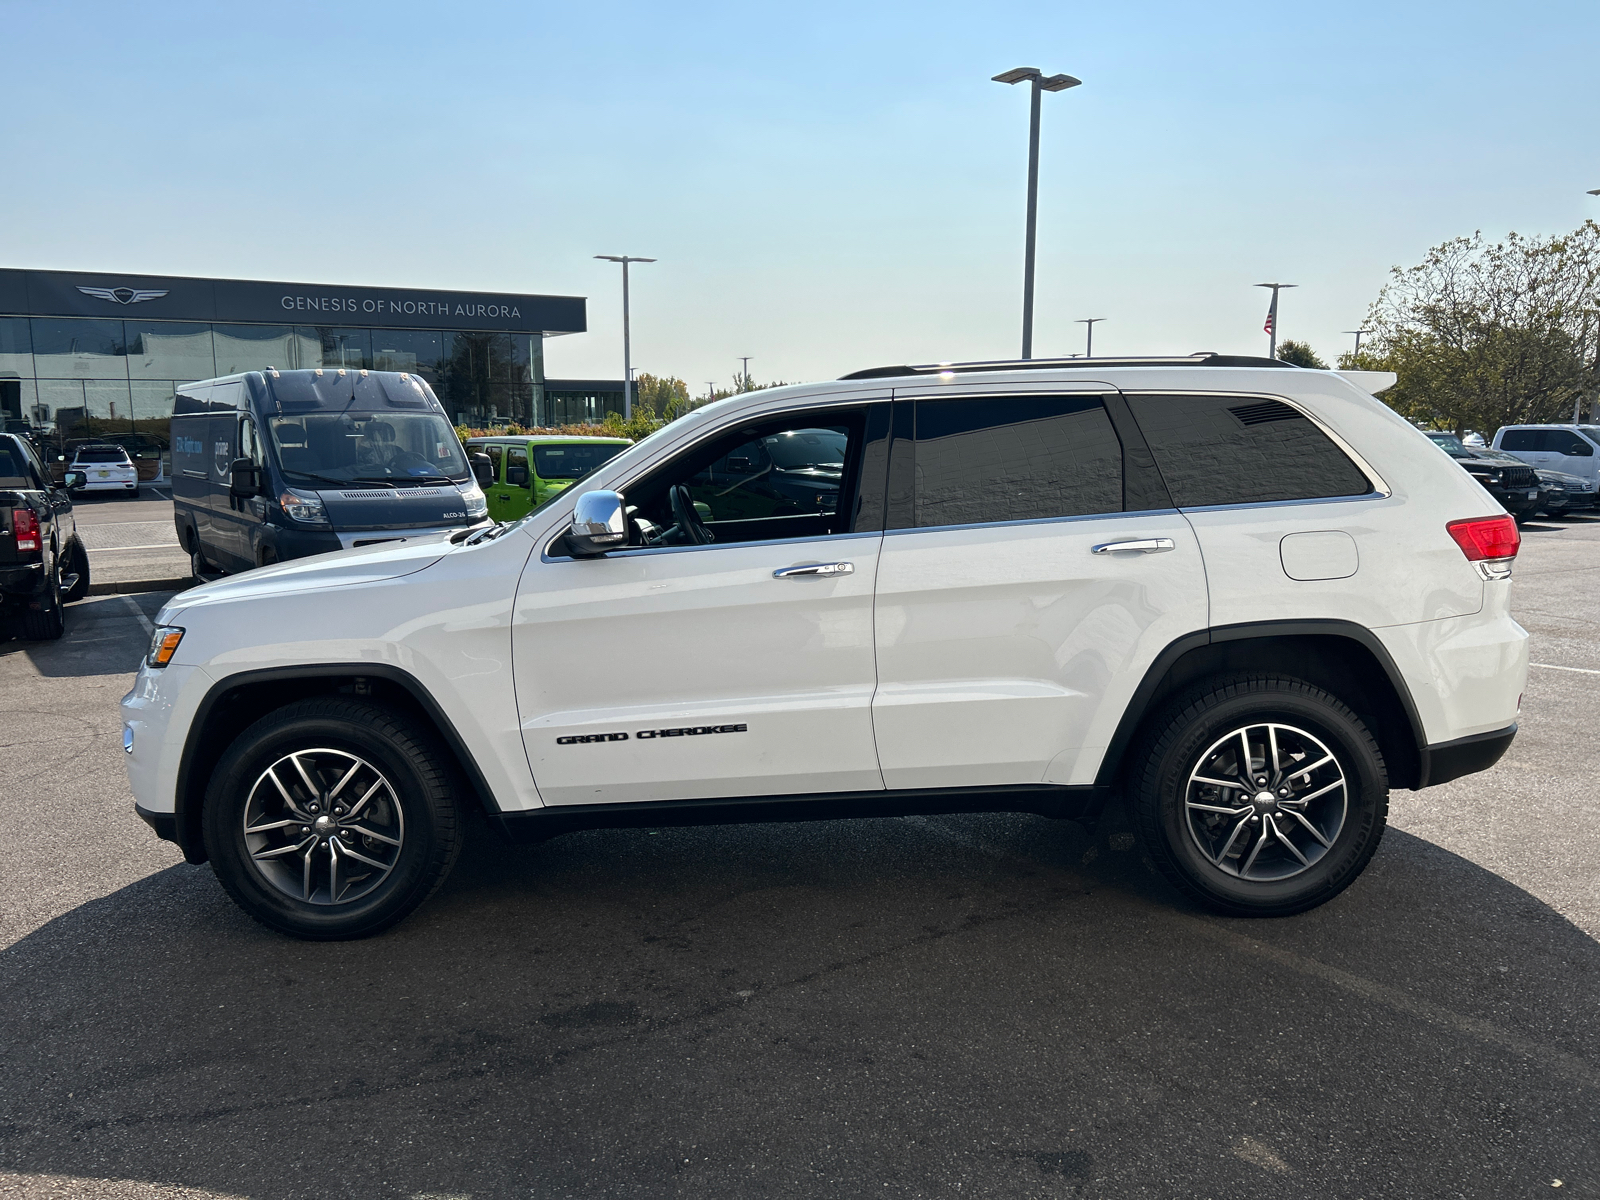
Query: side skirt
1082,804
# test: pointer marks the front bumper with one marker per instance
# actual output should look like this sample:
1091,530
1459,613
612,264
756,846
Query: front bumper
164,823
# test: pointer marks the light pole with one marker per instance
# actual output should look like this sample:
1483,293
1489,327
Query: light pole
744,377
1041,83
1089,323
627,349
1271,327
1358,333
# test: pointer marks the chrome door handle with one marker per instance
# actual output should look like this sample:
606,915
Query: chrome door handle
825,570
1138,546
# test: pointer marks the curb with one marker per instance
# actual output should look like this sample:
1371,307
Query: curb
130,586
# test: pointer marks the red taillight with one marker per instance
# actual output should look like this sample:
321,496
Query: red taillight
25,524
1486,537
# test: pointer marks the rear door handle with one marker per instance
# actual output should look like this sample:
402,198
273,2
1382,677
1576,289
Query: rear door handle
824,570
1138,546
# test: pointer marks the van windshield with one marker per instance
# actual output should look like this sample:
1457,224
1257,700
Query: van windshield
366,447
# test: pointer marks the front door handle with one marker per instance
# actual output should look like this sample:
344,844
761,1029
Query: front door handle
1138,546
823,570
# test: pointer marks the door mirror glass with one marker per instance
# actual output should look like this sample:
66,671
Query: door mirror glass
517,476
482,470
75,480
599,523
244,479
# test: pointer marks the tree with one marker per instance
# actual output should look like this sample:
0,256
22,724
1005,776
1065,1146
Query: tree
661,394
1485,335
1301,355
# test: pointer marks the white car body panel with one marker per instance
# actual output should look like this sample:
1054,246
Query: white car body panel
1583,466
997,654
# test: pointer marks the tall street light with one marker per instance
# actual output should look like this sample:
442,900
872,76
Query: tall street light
1271,327
1358,333
1089,323
1041,83
627,349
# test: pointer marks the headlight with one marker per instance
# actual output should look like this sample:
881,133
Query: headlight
477,502
304,507
163,645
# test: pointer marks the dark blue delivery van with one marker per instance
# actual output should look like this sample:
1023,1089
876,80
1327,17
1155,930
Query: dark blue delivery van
273,465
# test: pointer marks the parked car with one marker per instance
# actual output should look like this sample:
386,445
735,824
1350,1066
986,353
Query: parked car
105,467
1570,449
43,564
276,465
1562,493
1245,597
1513,484
525,471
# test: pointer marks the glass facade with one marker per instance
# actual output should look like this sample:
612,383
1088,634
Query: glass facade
69,378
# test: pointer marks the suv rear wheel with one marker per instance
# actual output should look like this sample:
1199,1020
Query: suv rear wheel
332,819
1260,796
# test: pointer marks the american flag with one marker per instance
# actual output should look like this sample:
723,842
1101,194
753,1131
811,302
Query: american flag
1271,314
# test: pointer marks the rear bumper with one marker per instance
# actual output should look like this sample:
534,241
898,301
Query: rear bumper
23,581
1464,756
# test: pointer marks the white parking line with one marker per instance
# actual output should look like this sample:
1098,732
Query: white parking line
151,546
1553,667
139,613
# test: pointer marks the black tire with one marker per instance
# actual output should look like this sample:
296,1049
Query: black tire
1168,810
198,566
423,782
78,564
44,619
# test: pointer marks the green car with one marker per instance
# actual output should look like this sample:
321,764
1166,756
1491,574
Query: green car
529,470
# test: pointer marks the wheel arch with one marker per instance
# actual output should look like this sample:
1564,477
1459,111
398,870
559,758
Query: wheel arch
232,704
1341,657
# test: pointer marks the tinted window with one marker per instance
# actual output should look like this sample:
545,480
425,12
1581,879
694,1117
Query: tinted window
1561,442
573,461
1522,439
1014,458
1235,450
13,472
101,454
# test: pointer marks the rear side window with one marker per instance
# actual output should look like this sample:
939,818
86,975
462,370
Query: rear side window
1014,458
1522,439
1242,450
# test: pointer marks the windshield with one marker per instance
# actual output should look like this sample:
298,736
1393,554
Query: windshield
361,447
575,460
102,454
803,448
1590,431
1450,444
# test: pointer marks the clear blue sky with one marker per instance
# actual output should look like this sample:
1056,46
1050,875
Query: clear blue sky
827,186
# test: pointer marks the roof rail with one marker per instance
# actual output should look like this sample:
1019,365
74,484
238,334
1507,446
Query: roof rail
1039,364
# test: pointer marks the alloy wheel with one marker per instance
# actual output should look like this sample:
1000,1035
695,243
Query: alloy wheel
323,826
1266,801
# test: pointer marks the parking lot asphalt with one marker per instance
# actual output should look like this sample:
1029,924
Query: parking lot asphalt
952,1006
130,538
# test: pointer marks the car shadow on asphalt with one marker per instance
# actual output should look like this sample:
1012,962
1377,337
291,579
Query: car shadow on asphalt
104,636
881,1007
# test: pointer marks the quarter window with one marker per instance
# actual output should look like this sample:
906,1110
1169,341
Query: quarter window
1242,450
1014,458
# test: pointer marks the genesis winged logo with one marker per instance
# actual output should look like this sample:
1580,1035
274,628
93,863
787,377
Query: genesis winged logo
123,295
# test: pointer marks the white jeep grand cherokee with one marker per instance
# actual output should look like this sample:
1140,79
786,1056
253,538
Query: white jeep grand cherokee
1247,598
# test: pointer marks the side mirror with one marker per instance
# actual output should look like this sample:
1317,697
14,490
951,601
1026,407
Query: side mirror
482,470
517,476
599,523
74,481
244,480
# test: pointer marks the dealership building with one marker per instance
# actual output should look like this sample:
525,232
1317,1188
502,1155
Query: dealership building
91,355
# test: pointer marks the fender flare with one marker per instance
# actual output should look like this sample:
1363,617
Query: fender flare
1139,706
186,814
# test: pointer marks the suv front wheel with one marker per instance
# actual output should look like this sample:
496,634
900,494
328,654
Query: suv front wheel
332,819
1260,796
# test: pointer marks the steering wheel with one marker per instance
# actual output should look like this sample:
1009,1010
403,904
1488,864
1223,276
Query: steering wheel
686,518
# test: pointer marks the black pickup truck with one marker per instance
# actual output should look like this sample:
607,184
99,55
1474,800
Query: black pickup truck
43,565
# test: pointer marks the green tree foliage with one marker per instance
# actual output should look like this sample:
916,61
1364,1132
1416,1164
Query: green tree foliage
1301,355
1483,335
665,396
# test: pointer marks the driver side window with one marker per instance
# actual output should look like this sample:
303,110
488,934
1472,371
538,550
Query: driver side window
789,477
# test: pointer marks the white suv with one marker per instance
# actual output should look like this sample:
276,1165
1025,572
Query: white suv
1247,598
